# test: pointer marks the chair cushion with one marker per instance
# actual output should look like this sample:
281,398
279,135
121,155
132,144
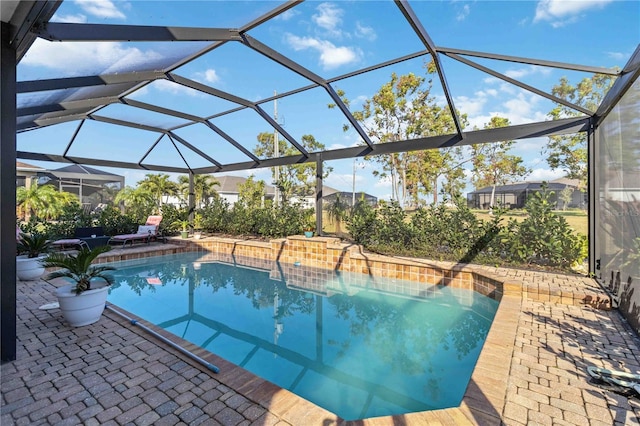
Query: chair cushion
147,229
88,231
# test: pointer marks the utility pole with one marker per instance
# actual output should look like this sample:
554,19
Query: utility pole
353,188
276,150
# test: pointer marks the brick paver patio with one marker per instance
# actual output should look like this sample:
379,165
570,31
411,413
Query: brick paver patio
110,373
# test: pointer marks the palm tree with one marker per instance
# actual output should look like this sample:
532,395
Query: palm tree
40,200
203,188
159,186
337,211
134,196
78,267
137,201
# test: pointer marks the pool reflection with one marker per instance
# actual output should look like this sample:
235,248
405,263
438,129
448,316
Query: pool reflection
330,337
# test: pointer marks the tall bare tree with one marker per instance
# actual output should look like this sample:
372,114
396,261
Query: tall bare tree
297,179
492,163
569,152
404,109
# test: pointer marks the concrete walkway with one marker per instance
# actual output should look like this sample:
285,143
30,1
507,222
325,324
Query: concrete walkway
110,373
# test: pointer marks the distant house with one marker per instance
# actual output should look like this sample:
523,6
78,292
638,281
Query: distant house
348,197
515,195
228,188
329,195
26,173
90,185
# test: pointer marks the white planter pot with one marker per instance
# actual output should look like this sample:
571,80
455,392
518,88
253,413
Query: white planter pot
29,269
85,308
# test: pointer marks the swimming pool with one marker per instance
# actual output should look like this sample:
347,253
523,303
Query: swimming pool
352,350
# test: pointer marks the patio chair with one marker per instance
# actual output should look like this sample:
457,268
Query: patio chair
88,237
146,233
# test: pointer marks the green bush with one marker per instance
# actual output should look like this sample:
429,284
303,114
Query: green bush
113,222
216,216
361,223
543,237
172,216
456,234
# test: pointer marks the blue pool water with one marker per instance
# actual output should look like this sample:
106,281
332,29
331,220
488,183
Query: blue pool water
357,352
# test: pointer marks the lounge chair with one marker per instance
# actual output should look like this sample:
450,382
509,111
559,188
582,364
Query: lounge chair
89,237
146,233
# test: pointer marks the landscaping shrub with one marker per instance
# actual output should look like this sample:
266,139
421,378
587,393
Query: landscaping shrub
361,223
172,216
216,215
543,237
456,234
113,222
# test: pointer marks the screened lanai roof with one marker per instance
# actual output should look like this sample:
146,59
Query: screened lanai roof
187,86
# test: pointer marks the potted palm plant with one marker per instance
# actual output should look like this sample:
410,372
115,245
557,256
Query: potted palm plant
83,300
184,224
31,248
197,226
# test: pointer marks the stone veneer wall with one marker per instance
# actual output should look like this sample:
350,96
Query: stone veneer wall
311,263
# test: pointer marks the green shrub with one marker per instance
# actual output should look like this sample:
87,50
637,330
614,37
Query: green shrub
456,234
361,222
543,237
113,222
216,216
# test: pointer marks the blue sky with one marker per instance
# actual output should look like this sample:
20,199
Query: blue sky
330,38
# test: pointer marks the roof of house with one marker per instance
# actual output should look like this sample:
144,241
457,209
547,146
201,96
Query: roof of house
229,185
554,185
28,167
85,170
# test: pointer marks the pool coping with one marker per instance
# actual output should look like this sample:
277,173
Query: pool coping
485,397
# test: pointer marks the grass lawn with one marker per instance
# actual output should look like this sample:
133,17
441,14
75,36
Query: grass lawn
577,219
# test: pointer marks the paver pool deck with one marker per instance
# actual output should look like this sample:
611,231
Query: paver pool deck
532,369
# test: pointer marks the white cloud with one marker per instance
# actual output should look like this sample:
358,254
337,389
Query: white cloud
174,88
518,106
541,174
337,146
288,15
331,56
470,106
71,19
87,58
562,12
618,56
329,18
101,8
358,101
383,182
530,70
463,13
209,76
365,32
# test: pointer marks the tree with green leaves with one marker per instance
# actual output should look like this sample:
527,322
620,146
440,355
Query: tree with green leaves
296,179
492,163
138,202
42,201
338,211
569,152
565,196
252,193
404,109
159,185
203,188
